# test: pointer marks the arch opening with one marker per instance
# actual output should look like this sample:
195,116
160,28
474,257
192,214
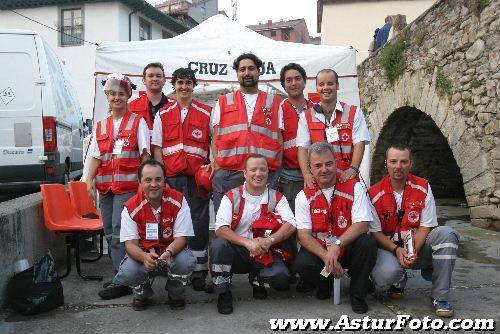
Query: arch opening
433,158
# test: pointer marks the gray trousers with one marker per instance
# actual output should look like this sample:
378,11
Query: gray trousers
134,274
227,258
225,180
111,206
200,216
438,253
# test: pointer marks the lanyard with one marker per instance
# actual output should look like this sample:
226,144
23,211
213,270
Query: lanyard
401,210
330,211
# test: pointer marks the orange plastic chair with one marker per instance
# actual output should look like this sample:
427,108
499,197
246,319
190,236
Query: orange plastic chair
84,207
60,217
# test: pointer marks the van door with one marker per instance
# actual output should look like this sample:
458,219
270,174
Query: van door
21,142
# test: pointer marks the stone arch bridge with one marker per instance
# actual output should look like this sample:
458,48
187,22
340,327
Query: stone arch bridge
436,87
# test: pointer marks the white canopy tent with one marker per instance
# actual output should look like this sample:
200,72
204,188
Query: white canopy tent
210,48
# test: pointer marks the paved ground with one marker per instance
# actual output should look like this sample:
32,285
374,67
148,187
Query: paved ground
475,295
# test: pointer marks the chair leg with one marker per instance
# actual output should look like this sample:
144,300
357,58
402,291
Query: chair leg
78,261
69,244
101,244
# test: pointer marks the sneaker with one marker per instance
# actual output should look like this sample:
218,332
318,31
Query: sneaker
198,284
304,287
259,291
177,304
139,304
106,284
395,293
358,305
443,308
225,303
113,291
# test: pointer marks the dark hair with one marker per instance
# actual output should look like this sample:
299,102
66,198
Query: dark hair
328,70
183,73
248,55
254,156
153,163
399,147
292,66
156,64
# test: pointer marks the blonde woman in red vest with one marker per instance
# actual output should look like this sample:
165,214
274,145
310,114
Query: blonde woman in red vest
332,221
405,206
118,146
181,141
155,226
335,122
244,122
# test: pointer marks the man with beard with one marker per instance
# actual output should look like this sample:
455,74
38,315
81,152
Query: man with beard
245,122
147,105
337,123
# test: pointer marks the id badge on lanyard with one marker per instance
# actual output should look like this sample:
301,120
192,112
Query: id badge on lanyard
152,230
117,148
332,134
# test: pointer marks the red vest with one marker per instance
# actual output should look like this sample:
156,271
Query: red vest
344,121
118,172
268,220
185,146
237,139
140,106
141,213
291,122
382,197
331,219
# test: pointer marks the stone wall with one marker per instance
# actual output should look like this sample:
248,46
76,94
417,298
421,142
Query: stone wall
23,236
451,60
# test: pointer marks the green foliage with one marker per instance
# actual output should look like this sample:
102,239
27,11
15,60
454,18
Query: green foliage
393,60
477,6
443,83
420,37
467,100
476,83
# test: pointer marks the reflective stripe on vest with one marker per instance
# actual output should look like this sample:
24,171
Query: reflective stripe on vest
289,144
232,128
264,131
116,177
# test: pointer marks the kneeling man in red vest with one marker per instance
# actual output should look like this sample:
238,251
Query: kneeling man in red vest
408,234
332,221
155,226
252,226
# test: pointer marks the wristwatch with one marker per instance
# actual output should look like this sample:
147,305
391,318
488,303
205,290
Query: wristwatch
338,242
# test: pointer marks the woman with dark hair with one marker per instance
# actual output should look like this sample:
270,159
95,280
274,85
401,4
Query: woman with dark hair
181,141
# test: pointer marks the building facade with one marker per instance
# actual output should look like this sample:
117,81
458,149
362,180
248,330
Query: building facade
74,29
353,22
286,31
186,10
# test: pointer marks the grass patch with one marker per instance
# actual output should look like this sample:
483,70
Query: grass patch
443,83
393,60
420,37
477,6
476,83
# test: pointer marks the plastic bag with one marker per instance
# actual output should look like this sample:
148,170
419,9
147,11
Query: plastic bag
37,289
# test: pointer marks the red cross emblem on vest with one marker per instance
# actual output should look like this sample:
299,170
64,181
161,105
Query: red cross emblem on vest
342,222
167,232
413,216
344,137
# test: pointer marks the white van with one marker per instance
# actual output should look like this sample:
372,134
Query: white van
41,124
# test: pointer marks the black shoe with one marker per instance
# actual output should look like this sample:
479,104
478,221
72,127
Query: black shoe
324,289
139,304
358,305
259,291
370,288
304,287
395,293
106,284
177,304
209,287
198,284
225,303
113,291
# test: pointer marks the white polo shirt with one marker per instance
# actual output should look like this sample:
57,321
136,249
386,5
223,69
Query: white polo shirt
429,215
183,226
361,208
359,132
251,212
